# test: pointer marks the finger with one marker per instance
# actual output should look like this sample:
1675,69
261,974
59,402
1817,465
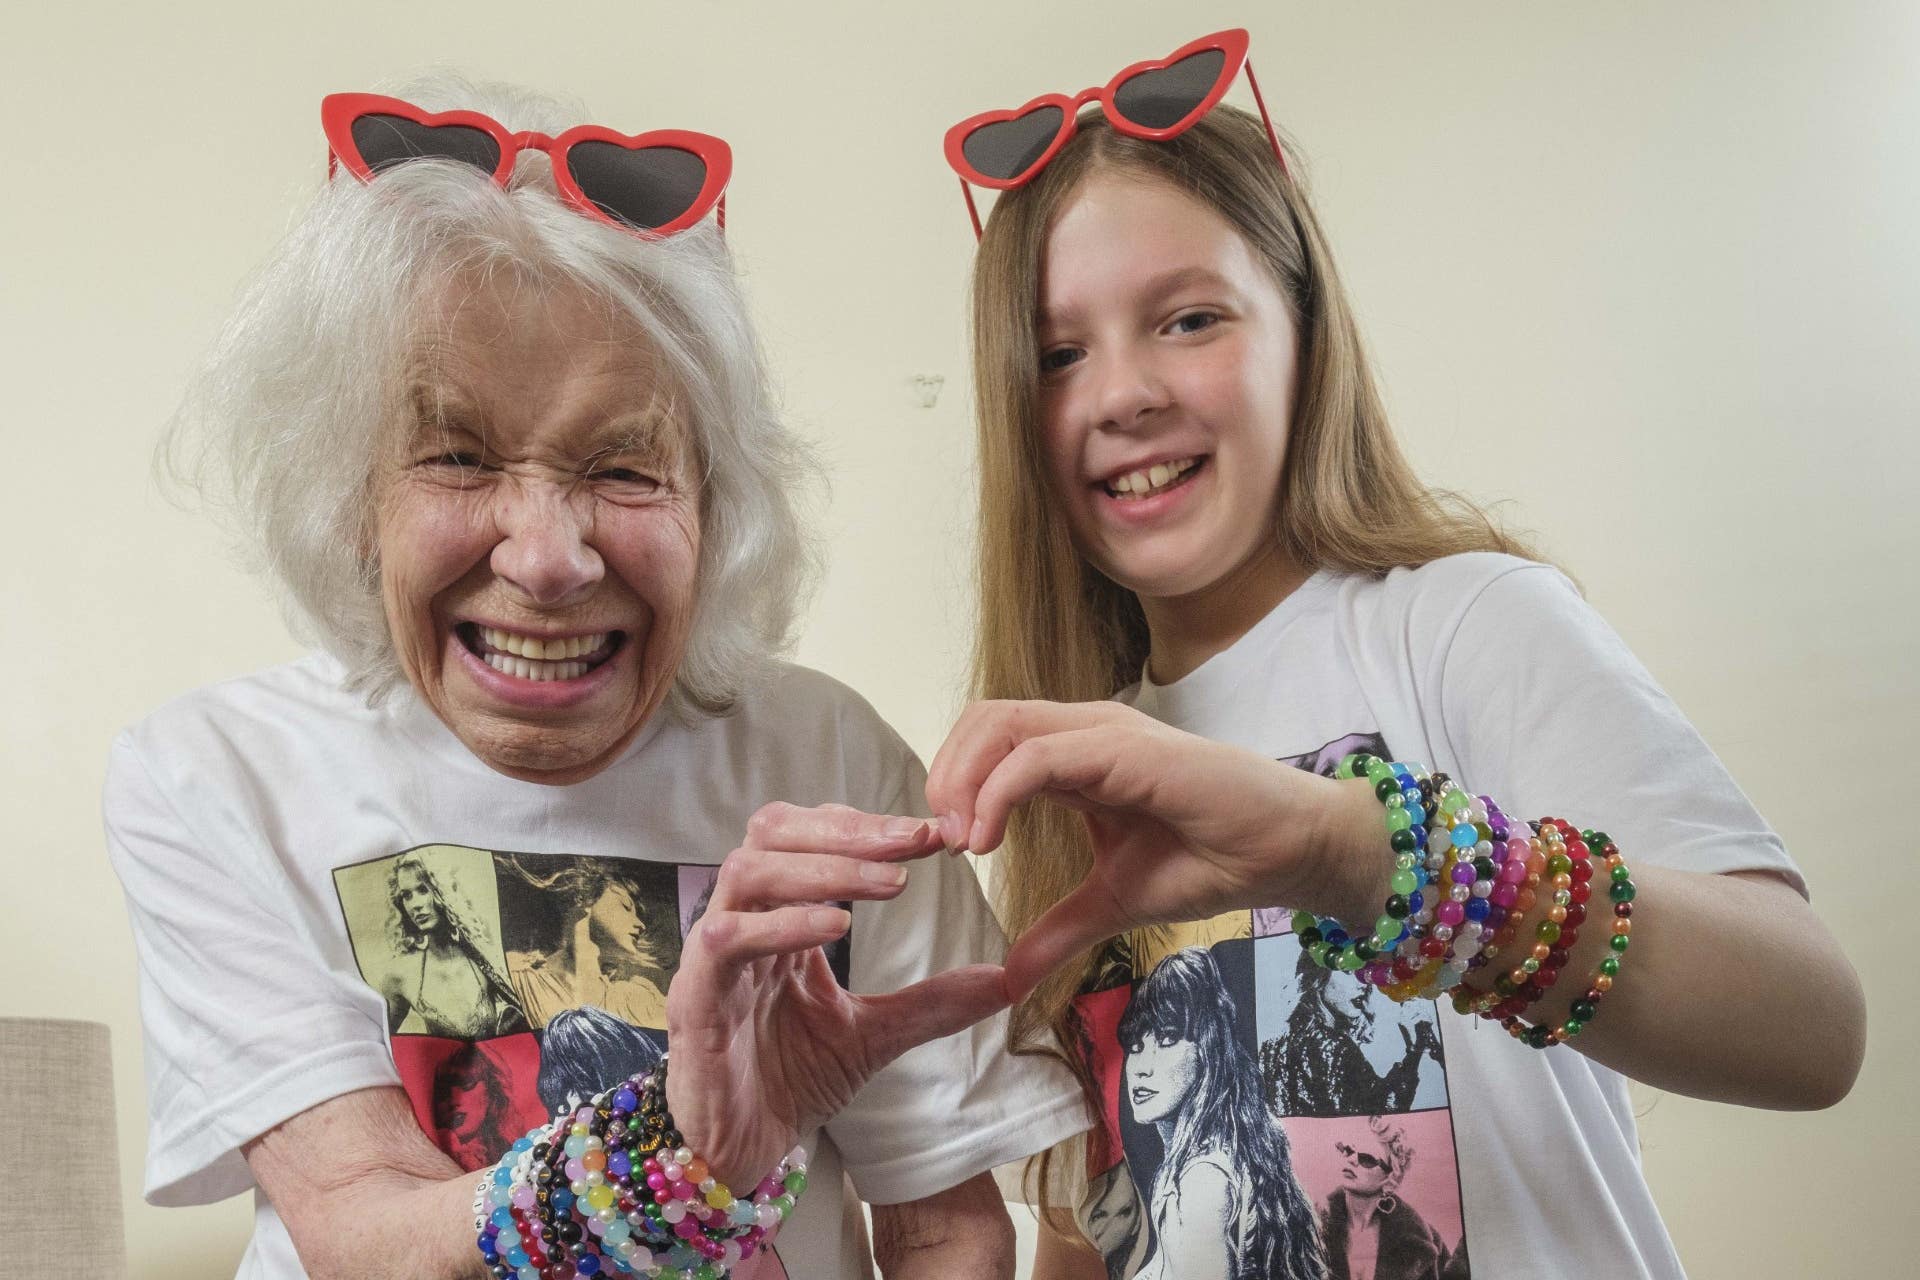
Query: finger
757,879
983,736
929,1009
1084,918
1107,766
731,940
839,829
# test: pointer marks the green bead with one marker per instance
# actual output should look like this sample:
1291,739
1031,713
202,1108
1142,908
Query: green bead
784,1203
1548,932
1386,787
1377,769
1618,942
1559,865
796,1182
1572,1028
1399,819
1317,952
1386,928
1621,891
1483,868
1539,1037
1610,966
1484,831
1403,841
1350,960
1456,801
1462,1002
1620,874
1583,1010
1302,921
1398,908
1347,766
1505,987
1595,839
1404,883
1530,965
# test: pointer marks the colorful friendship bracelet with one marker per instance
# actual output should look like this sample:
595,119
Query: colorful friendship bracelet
609,1188
1465,877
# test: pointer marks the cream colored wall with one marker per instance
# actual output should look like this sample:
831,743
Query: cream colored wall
1646,271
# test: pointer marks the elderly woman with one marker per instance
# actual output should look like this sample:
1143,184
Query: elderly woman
515,469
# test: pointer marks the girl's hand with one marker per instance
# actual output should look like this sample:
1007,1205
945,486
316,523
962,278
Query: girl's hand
766,1045
1182,828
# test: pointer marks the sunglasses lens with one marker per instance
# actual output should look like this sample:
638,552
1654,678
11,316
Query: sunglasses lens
1008,148
384,141
647,187
1162,98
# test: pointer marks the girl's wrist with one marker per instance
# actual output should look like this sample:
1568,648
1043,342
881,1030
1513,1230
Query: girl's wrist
1350,863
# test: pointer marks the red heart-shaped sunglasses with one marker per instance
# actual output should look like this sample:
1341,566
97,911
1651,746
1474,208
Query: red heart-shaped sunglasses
1155,100
652,184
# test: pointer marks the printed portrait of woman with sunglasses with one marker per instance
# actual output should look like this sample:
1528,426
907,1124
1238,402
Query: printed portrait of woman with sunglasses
495,420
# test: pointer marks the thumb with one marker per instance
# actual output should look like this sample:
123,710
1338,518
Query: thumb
1087,916
929,1009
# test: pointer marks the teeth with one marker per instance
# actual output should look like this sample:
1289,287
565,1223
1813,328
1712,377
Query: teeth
541,650
534,669
1148,479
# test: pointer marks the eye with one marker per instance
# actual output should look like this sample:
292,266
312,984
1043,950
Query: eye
1060,358
626,479
1195,321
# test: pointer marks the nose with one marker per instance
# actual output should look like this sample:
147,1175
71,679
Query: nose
546,550
1127,391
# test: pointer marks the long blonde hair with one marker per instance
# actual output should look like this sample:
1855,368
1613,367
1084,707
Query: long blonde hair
1051,626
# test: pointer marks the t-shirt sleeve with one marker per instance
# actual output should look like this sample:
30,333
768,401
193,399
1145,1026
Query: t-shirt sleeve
244,1026
1548,712
957,1107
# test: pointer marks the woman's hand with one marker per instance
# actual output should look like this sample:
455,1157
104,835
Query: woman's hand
1183,828
766,1045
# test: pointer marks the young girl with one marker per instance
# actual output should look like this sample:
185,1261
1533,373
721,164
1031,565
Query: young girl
1203,562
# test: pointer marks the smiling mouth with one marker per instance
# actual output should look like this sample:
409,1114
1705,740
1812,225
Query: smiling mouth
1142,1095
1151,482
530,657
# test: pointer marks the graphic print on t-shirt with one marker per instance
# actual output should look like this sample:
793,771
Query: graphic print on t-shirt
1265,1117
516,980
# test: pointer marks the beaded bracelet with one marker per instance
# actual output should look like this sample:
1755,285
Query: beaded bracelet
1572,875
609,1187
1419,947
1483,874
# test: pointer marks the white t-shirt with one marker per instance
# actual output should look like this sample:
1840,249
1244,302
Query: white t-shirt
1505,1161
327,897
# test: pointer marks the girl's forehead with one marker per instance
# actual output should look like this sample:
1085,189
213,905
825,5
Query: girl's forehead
1124,236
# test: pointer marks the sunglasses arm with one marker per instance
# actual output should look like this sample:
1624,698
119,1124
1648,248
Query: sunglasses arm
1265,119
972,212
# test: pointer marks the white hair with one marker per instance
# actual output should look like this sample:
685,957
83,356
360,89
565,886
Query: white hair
281,427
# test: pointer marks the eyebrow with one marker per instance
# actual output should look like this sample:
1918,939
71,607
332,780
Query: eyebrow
1156,288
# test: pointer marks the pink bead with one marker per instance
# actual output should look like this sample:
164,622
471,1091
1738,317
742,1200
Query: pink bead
656,1180
1450,912
684,1191
686,1228
576,1172
523,1198
673,1171
1505,896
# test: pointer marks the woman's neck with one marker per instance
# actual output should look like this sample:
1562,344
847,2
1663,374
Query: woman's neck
1184,631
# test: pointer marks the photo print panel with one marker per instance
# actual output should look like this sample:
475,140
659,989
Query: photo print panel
425,930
